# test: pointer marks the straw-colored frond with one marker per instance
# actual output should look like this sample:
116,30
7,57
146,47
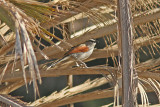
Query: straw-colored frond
33,34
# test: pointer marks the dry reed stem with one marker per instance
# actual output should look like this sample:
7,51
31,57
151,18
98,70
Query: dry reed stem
72,91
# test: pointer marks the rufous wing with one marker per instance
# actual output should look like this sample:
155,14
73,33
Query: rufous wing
78,49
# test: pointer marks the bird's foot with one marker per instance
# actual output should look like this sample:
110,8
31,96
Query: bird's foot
83,65
77,65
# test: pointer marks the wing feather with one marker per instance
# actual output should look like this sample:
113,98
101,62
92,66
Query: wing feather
78,49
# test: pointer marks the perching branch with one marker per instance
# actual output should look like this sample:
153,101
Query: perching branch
60,72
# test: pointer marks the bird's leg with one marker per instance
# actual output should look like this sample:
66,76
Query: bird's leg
77,64
82,63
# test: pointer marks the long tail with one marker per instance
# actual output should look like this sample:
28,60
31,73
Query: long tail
57,62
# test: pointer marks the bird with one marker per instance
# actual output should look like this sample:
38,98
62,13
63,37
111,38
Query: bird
78,53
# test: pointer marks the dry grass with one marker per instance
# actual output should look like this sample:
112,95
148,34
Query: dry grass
22,21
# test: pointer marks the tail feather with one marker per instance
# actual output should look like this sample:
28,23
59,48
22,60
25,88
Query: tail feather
57,62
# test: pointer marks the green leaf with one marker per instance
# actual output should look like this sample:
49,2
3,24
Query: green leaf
7,17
